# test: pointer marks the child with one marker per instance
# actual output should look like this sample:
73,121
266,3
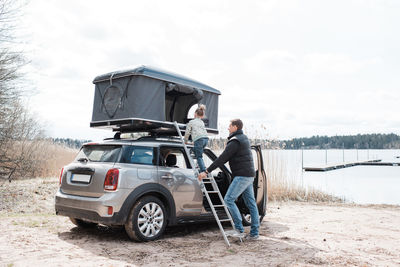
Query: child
197,129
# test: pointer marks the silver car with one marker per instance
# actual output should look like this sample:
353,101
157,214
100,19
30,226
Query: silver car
145,184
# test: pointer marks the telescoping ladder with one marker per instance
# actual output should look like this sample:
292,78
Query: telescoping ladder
215,190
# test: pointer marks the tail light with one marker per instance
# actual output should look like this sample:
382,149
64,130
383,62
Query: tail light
110,210
61,174
111,181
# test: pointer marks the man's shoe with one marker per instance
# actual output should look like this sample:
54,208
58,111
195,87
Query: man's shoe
251,237
235,233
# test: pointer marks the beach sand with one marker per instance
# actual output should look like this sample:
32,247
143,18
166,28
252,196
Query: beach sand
292,234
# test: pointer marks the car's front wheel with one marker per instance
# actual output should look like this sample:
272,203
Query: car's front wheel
246,219
147,219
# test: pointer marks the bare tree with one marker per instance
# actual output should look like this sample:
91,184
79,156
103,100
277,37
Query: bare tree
20,133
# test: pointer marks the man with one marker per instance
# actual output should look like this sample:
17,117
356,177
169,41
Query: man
238,153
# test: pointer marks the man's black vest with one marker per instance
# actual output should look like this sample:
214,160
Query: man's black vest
241,163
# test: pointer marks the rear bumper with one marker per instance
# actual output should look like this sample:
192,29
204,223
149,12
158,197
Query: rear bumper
93,209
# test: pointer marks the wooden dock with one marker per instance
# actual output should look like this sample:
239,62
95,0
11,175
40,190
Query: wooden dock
381,163
374,162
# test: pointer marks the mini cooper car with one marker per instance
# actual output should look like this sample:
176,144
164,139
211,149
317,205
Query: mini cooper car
145,185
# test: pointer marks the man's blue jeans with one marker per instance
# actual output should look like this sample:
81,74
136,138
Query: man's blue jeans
243,185
198,150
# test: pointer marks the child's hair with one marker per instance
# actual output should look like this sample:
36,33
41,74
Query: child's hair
201,110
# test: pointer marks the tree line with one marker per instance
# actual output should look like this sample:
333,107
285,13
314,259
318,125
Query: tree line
69,142
359,141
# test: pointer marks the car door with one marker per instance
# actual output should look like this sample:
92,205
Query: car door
260,181
175,174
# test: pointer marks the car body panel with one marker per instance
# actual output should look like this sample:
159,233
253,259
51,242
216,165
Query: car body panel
184,188
176,186
95,186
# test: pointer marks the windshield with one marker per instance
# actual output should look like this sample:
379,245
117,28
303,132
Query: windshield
99,153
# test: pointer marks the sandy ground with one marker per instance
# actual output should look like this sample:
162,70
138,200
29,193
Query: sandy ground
292,234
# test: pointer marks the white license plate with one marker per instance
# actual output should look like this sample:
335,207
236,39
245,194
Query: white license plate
81,178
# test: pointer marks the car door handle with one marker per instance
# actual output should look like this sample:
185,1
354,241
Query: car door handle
168,176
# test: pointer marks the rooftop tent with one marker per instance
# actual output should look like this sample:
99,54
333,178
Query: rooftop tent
150,99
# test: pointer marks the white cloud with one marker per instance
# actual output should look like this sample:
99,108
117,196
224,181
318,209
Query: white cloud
267,61
295,67
334,64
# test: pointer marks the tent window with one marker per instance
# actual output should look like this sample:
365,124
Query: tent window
191,111
178,100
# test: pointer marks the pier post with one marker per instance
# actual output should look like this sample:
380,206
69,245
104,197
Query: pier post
343,151
326,156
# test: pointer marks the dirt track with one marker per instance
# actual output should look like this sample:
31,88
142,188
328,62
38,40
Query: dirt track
298,234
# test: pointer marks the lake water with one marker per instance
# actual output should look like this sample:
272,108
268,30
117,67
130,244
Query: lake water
359,184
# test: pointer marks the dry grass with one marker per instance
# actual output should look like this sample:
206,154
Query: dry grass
282,191
36,158
55,157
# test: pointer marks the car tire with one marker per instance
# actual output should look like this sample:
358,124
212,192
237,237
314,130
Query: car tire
246,219
82,224
147,220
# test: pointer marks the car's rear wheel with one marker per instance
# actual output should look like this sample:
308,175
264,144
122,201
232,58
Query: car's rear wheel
147,219
82,223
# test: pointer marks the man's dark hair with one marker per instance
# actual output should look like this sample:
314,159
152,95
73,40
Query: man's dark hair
238,123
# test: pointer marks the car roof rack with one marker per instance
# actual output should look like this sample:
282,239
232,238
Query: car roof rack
152,136
160,138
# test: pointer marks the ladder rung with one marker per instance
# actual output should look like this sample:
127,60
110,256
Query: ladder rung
225,220
212,191
207,182
219,206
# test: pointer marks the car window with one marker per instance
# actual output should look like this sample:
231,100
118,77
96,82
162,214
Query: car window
255,158
180,160
99,153
207,163
173,157
138,155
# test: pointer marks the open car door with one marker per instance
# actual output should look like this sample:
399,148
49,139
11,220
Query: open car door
260,181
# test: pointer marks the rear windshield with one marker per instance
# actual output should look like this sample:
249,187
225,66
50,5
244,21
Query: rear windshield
99,153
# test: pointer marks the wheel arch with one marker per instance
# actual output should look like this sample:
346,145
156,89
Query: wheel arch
151,189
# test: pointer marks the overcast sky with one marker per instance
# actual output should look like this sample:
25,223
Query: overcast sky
286,68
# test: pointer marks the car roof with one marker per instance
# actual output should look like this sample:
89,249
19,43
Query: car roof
140,142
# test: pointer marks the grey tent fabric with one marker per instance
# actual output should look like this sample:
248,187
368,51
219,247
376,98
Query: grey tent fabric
127,103
146,98
186,90
211,103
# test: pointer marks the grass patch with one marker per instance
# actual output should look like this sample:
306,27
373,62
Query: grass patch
36,222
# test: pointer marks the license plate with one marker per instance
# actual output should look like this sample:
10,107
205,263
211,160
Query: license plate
81,178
